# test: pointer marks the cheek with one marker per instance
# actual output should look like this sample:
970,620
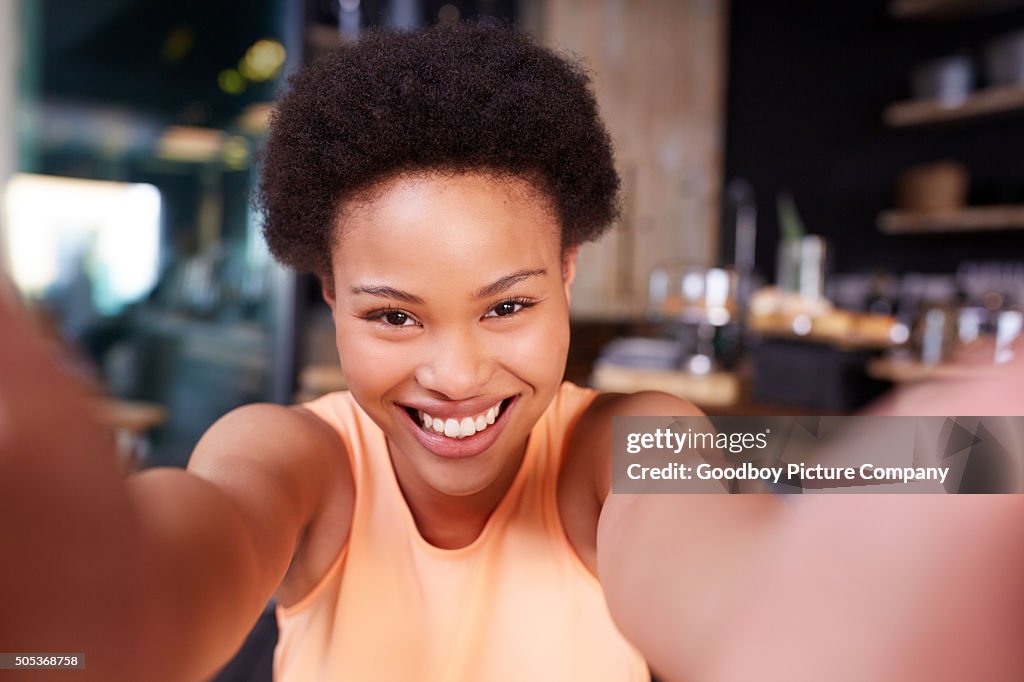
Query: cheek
369,362
538,351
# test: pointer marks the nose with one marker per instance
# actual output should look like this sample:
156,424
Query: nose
457,364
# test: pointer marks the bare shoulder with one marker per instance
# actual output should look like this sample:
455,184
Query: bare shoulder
284,465
640,404
291,443
591,439
585,476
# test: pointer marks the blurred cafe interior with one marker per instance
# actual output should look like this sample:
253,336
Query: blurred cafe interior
821,201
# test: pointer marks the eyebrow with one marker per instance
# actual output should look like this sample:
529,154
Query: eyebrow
496,287
388,292
507,282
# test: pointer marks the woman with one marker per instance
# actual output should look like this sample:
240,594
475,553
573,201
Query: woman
449,518
464,167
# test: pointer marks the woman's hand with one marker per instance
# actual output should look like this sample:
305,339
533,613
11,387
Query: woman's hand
66,522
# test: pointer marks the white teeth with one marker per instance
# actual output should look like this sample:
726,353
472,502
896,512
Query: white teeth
460,428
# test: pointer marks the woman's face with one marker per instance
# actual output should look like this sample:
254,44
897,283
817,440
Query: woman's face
451,311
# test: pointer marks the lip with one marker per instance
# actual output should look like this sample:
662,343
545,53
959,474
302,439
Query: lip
456,410
450,448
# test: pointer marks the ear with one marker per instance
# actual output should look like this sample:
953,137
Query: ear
569,270
327,290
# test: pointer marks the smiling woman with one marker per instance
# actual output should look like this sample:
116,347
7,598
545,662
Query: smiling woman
456,200
445,519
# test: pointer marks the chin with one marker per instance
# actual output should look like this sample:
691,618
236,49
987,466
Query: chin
460,476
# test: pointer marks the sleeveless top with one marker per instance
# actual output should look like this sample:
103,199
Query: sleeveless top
516,604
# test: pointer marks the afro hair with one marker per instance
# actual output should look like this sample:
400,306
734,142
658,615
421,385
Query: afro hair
452,98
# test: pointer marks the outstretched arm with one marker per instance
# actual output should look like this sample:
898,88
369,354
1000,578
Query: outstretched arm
845,587
159,577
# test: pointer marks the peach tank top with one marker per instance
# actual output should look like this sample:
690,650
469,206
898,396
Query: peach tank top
517,604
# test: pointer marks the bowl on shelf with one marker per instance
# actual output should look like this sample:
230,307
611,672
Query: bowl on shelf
933,188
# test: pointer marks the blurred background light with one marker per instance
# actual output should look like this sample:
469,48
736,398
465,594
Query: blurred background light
59,228
255,118
190,143
231,81
263,60
236,152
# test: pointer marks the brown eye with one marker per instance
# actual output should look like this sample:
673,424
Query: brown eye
396,318
506,308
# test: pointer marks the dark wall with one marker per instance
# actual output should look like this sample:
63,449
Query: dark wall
115,52
808,82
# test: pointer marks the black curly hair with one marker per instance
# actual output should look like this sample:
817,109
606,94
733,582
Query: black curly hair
452,98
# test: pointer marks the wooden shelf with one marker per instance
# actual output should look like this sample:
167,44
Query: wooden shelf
717,389
977,219
901,371
945,9
982,103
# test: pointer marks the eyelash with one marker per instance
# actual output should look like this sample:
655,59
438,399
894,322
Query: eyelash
380,314
523,303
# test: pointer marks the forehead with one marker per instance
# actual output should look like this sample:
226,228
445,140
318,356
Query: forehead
431,229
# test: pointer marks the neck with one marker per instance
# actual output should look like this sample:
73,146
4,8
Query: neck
451,521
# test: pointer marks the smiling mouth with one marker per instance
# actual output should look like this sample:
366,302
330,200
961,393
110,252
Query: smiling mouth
458,428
